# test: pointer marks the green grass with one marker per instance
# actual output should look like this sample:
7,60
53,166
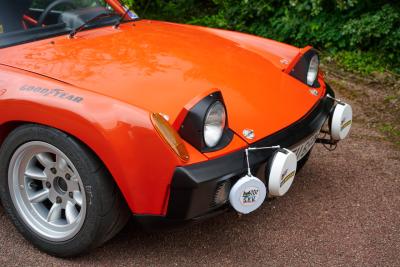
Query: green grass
363,63
391,98
392,132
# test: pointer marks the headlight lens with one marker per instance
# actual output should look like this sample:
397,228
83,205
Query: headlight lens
313,70
214,124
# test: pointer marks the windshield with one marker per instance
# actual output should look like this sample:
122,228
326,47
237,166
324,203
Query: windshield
24,20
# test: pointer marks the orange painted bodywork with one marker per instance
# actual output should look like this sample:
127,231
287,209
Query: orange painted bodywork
125,74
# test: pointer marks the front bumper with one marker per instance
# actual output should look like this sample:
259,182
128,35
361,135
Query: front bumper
193,188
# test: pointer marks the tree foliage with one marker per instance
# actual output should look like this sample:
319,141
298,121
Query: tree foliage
359,31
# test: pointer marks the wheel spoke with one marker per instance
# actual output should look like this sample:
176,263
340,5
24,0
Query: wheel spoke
71,213
36,174
61,163
73,185
78,198
45,160
52,194
54,213
39,196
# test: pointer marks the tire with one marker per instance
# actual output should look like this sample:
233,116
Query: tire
57,193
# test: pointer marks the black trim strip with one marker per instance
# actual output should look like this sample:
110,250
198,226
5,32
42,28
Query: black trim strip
32,35
193,186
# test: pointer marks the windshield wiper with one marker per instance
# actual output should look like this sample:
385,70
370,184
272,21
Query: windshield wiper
127,11
97,17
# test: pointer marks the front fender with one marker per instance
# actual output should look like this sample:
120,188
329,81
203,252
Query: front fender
121,135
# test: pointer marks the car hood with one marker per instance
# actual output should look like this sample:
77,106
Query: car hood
161,67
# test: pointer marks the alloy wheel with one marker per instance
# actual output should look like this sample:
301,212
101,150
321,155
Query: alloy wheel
47,191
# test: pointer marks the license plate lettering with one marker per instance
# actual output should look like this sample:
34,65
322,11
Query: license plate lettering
302,150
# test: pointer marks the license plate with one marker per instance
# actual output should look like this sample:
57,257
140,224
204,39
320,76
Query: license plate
302,149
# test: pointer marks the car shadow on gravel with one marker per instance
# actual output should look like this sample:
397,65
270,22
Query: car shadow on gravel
221,235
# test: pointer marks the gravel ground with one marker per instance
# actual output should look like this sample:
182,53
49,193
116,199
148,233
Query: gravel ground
343,209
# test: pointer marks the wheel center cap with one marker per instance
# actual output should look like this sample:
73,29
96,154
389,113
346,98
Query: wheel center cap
60,185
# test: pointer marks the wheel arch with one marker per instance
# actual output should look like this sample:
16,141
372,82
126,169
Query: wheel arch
113,136
8,127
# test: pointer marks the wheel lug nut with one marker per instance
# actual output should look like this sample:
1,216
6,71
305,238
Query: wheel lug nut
48,185
58,200
68,176
71,195
53,170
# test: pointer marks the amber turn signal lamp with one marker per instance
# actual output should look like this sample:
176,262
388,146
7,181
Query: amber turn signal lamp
170,136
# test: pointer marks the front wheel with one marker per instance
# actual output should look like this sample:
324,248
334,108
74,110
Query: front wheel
57,192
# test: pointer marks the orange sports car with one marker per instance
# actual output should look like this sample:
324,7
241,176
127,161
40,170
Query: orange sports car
104,116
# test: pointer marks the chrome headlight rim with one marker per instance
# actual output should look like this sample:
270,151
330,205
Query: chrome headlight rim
313,69
213,128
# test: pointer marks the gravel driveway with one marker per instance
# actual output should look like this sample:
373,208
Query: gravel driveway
344,209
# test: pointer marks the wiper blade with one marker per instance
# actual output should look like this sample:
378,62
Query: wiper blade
97,17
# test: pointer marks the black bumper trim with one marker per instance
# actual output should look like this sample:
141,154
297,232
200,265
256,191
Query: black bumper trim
193,187
155,223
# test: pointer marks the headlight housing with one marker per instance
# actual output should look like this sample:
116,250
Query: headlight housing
214,124
205,126
307,68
